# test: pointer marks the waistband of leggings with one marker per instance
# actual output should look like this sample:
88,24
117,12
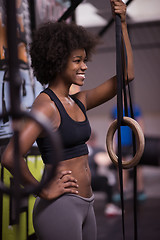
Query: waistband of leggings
90,199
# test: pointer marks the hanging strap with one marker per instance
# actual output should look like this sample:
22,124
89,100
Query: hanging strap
119,108
134,172
133,136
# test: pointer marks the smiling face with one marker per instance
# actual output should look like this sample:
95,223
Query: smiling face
76,67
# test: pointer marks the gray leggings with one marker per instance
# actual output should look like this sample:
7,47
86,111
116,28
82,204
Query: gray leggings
70,217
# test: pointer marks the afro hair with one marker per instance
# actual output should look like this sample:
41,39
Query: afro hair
52,45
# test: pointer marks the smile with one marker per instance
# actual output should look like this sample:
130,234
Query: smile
81,75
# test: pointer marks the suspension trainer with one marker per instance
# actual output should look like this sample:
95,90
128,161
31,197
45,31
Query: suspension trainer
124,120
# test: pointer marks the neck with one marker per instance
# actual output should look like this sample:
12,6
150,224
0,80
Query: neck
60,89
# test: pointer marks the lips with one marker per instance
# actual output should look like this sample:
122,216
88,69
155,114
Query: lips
82,75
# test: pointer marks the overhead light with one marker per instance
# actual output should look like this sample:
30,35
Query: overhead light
87,16
144,10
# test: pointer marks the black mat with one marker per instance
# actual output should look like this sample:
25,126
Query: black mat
148,218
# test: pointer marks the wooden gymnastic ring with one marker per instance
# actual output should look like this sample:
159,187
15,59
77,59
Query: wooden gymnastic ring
139,139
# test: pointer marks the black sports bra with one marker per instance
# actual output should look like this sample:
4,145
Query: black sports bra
74,135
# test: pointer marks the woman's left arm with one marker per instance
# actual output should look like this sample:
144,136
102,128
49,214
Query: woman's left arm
108,89
119,7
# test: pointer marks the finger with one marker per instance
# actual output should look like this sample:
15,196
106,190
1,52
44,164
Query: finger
68,178
113,2
70,184
117,7
64,173
118,3
70,190
120,10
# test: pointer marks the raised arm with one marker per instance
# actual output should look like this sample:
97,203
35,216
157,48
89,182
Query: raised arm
108,89
130,64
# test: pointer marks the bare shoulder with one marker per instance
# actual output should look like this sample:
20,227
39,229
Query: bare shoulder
43,104
47,107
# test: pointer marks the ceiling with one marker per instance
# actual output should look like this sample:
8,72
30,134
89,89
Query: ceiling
93,13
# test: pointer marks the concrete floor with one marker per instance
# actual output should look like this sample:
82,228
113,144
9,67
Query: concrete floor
148,213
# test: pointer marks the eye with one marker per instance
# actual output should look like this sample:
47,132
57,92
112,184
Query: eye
77,60
85,60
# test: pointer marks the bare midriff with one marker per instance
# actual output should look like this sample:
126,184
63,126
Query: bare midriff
81,172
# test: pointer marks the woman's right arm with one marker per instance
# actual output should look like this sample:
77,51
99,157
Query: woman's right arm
27,137
63,181
29,131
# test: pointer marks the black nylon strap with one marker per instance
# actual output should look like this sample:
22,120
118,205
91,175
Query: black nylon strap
126,104
119,108
134,172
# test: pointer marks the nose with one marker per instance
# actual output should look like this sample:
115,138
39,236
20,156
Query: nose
84,66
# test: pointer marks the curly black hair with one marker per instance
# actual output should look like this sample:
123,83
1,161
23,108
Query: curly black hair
52,45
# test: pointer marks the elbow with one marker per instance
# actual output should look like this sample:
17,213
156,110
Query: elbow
6,161
131,74
131,78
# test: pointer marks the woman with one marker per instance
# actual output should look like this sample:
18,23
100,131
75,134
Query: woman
64,209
